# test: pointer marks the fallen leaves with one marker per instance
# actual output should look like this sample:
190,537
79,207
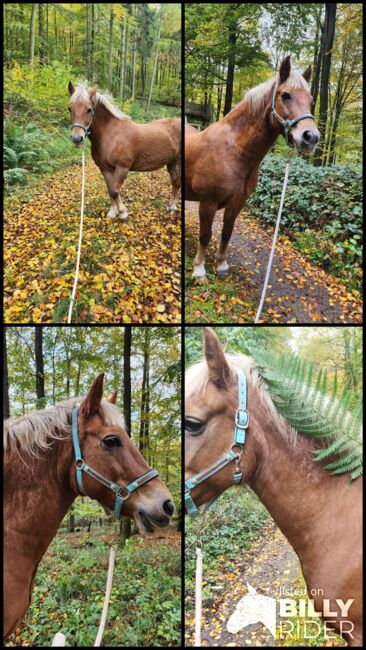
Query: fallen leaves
129,273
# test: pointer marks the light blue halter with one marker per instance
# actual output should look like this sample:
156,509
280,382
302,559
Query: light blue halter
235,453
122,492
287,124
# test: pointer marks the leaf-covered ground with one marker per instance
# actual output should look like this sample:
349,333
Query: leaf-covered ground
129,272
270,566
298,292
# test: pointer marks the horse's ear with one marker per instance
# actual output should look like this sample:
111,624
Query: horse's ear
307,73
92,92
218,368
71,88
285,69
113,398
91,403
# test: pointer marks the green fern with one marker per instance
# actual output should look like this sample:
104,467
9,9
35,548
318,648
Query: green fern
314,409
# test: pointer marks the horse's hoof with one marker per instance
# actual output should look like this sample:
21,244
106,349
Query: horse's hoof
123,216
173,210
222,269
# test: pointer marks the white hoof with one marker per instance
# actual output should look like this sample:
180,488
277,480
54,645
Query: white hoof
172,208
123,216
222,268
199,272
112,213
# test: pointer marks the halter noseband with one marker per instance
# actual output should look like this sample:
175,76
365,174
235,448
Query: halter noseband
235,453
287,124
122,492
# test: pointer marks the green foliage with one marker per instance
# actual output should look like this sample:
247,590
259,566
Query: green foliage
234,522
70,586
304,400
322,211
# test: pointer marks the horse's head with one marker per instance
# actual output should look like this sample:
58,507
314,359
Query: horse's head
81,111
106,448
210,410
292,100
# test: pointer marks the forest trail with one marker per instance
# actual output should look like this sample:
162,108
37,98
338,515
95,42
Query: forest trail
270,564
297,292
129,272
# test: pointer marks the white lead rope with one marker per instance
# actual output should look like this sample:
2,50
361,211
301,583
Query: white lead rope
198,612
269,267
80,239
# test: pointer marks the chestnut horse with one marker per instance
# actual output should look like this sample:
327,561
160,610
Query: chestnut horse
319,513
119,145
222,162
41,484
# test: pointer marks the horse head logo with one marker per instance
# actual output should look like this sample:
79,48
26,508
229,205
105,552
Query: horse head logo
253,608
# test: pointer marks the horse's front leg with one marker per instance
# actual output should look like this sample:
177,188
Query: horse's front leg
114,182
230,215
207,212
175,177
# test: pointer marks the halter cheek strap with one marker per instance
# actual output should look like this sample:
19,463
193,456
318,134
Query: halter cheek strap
122,492
287,124
234,454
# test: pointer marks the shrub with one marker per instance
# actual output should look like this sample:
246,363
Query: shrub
322,211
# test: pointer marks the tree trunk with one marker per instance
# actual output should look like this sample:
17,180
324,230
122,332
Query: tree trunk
231,64
88,40
6,378
110,58
145,396
92,44
134,43
39,368
328,39
32,34
122,66
155,62
41,49
127,342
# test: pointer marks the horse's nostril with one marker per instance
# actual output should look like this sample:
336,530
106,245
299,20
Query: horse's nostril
168,507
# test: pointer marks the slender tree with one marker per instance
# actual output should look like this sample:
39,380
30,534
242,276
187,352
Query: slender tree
39,367
328,38
32,35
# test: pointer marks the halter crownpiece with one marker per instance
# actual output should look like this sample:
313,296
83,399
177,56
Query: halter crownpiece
234,454
122,492
287,124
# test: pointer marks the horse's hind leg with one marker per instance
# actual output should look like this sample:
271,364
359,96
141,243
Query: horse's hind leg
230,215
175,177
207,212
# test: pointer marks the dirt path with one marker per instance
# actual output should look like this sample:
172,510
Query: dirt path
269,565
297,292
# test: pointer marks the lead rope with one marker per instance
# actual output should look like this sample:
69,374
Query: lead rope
199,572
80,237
59,640
274,242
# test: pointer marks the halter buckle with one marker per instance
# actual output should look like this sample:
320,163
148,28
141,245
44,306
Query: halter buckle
238,415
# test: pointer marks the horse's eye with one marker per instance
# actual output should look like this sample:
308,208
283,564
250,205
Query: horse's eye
285,95
194,426
89,110
112,441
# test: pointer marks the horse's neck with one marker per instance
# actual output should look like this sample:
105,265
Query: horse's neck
251,133
300,496
37,499
102,120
